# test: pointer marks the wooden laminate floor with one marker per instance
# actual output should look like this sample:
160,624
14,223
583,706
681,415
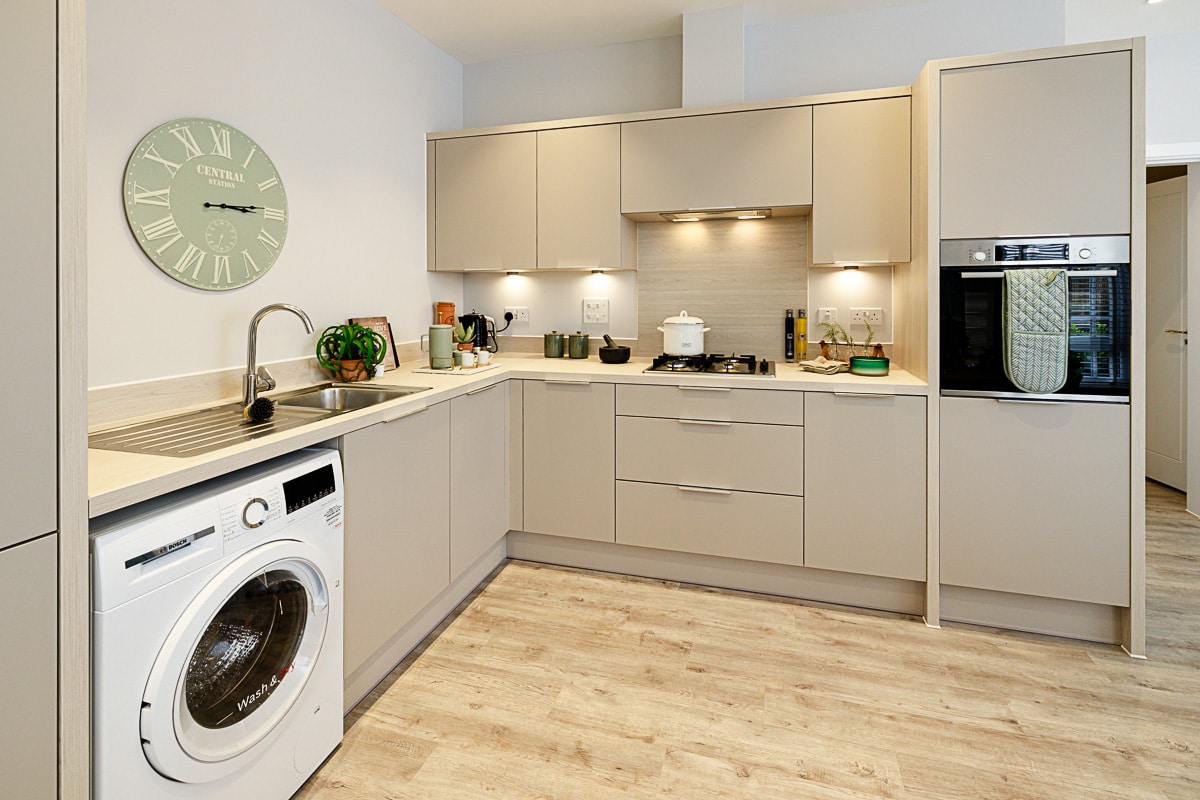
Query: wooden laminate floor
563,683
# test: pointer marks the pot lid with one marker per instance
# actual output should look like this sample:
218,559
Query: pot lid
683,319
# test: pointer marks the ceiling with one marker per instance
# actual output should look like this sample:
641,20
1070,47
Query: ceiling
484,30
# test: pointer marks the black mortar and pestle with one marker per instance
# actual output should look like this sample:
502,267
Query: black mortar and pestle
612,353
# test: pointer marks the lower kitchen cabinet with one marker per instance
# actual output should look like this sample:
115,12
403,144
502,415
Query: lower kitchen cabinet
397,484
29,669
479,470
714,522
1035,498
569,459
865,501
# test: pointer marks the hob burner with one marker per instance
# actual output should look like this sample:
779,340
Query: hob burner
714,364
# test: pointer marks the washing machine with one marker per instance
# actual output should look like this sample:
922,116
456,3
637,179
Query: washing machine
217,635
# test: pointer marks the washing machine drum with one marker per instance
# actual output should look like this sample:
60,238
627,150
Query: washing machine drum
235,665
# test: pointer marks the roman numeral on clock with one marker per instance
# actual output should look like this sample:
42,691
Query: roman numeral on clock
184,135
162,229
221,270
193,255
248,262
269,242
151,197
273,213
153,155
267,184
220,141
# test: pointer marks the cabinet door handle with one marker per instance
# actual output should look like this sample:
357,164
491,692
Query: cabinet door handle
864,394
565,382
705,389
1172,330
700,490
483,389
407,413
708,423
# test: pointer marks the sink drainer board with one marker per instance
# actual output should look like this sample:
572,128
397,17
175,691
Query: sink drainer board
198,432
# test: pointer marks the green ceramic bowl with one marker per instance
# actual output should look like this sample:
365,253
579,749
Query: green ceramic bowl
875,366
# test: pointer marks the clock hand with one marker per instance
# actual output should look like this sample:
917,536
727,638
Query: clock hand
243,209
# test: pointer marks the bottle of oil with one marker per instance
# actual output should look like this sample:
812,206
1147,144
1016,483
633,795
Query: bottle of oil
801,334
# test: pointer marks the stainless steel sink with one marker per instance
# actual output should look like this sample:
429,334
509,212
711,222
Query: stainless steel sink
341,397
199,432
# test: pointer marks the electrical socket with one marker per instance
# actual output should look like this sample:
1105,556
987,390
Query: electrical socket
595,310
520,313
859,316
827,315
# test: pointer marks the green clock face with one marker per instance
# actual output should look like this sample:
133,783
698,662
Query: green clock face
205,204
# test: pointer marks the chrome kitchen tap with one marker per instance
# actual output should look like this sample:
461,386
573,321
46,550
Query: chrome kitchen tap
259,379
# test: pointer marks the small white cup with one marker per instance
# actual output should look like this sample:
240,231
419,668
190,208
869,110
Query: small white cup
483,357
468,359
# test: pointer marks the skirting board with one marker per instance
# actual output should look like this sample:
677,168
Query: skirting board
1067,618
822,586
359,684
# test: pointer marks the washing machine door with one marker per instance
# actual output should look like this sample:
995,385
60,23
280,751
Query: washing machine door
235,664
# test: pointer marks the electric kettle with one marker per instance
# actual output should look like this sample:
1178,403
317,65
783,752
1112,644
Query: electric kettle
485,330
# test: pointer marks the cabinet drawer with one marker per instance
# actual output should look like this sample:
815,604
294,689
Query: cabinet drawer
720,455
711,402
756,527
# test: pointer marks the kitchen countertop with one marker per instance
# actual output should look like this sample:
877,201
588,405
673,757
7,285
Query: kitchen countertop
117,480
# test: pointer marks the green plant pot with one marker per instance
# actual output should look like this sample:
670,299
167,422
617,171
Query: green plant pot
875,366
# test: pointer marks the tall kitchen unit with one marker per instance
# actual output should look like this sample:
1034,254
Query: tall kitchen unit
1040,499
29,432
44,703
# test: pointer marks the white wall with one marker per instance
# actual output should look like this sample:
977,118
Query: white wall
1172,31
888,47
619,78
340,95
555,301
844,289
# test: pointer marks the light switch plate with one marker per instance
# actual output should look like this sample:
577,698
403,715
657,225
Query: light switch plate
827,315
595,310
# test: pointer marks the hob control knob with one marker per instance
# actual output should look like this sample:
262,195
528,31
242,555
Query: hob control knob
978,255
1085,253
254,513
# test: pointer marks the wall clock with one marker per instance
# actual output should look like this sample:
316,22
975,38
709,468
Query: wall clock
205,204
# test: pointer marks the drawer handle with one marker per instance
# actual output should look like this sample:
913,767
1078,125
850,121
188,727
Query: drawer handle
872,395
699,490
484,389
567,382
705,422
705,389
408,413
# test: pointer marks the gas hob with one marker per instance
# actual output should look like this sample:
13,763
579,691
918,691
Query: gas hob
714,364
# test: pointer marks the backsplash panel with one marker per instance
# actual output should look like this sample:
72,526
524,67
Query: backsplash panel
737,275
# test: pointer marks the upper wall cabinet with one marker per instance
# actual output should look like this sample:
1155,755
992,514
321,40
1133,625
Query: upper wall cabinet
534,199
861,181
735,160
1037,147
579,222
485,202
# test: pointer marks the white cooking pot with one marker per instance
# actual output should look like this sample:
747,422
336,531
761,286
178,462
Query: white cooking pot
683,335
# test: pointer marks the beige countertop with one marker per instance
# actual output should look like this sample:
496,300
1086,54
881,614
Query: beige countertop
117,480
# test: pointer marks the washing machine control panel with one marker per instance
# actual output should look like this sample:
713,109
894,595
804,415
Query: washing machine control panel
254,513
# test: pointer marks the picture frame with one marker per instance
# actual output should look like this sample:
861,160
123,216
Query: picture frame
384,328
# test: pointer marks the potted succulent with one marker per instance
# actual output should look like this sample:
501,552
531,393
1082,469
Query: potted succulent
351,351
464,336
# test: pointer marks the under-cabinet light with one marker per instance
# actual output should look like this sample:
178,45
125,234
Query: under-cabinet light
724,213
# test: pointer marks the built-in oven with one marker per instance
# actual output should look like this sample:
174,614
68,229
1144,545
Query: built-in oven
972,325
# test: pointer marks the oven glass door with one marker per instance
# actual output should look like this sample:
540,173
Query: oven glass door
972,345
